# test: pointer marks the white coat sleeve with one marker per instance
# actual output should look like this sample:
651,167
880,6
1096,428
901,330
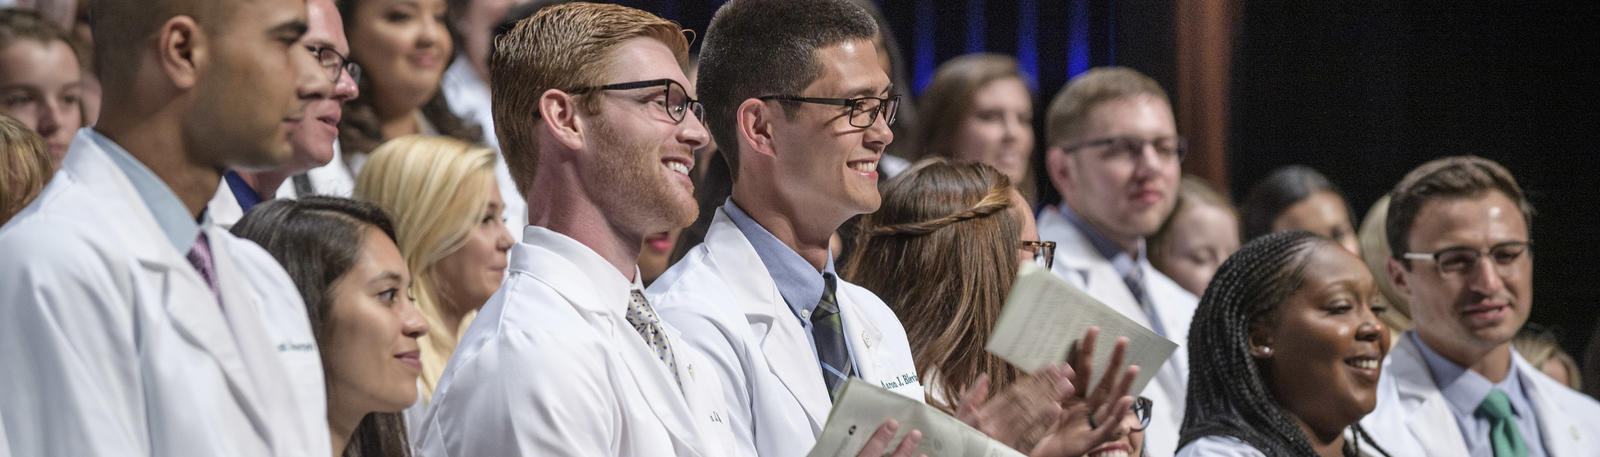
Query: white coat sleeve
1219,446
68,345
527,394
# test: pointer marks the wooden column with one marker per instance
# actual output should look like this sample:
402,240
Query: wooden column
1205,55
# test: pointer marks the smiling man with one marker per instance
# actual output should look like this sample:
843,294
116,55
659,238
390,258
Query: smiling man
133,326
311,138
599,123
1114,155
801,108
1460,254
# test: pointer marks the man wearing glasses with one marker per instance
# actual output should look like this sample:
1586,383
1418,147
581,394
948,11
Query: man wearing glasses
598,125
311,137
1460,254
1114,155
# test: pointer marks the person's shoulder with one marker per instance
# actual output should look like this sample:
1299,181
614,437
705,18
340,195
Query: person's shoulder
1169,290
1219,445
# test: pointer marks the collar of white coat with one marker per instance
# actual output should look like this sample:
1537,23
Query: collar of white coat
574,271
179,227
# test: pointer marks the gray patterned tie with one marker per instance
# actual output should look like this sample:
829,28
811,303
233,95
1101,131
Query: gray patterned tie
644,319
828,331
1135,282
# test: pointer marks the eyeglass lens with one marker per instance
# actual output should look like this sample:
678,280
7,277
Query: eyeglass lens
1464,259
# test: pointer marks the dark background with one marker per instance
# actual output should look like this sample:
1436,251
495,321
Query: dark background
1360,90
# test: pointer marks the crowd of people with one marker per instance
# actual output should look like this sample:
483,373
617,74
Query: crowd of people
503,228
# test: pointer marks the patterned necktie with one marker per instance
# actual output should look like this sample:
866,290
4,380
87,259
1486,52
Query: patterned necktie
828,331
200,256
1503,434
644,320
1135,282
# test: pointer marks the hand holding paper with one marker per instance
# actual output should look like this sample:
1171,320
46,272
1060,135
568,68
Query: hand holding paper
863,406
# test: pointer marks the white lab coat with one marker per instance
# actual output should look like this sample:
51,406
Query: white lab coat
728,307
1227,446
1413,417
114,345
1079,263
551,367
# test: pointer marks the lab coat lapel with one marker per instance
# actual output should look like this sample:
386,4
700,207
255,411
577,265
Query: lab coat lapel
862,335
1558,430
1428,415
242,308
603,302
758,298
194,311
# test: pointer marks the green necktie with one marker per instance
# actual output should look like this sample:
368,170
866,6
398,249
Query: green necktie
1503,433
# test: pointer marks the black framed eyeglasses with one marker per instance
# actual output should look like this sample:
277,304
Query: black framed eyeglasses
1141,409
1462,260
1169,149
675,99
336,64
1044,252
863,110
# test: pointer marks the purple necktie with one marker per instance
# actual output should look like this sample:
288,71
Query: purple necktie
200,257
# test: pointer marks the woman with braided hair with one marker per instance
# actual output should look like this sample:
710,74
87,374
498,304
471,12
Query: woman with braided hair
1294,347
943,251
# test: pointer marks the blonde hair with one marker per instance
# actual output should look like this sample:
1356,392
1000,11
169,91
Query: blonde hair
561,47
1375,253
24,167
426,184
1539,346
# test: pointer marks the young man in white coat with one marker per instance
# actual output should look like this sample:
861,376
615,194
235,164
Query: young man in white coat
1454,385
568,357
1113,156
132,325
312,137
802,110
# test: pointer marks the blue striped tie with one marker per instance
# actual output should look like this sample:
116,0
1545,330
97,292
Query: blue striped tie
828,331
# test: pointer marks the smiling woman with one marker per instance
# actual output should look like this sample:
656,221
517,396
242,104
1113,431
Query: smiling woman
342,256
403,47
1296,348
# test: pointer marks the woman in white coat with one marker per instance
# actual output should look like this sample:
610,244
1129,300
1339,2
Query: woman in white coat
343,259
1293,346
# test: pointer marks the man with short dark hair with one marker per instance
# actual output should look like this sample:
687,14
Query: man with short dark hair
1454,385
312,137
1113,153
132,325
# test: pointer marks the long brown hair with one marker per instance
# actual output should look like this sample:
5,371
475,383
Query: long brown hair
942,251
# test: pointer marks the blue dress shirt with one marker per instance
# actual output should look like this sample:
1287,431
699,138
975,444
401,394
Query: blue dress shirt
1464,389
799,283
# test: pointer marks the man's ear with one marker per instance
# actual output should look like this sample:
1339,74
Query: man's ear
1058,166
181,51
559,112
755,123
1397,277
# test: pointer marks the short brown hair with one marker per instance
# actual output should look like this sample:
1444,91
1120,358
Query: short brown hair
1070,109
24,166
561,47
1450,177
20,24
755,48
950,96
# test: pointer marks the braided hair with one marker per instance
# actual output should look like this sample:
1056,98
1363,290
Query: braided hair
942,251
1227,395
